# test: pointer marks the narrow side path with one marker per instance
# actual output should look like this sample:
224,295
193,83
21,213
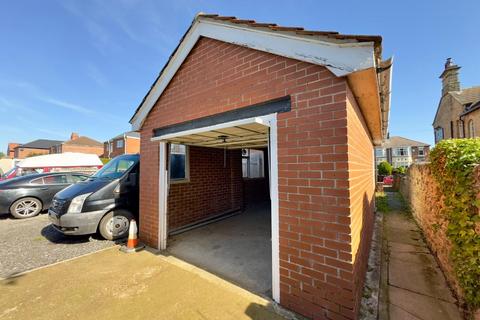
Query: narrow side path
416,286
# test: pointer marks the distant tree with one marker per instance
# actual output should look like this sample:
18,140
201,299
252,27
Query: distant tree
400,170
105,160
2,155
384,168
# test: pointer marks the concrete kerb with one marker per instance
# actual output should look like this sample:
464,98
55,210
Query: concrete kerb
58,262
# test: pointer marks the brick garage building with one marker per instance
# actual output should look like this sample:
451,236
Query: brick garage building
318,101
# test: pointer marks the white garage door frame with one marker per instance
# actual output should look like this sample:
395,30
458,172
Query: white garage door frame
269,120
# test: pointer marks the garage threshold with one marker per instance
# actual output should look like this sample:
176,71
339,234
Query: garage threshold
238,248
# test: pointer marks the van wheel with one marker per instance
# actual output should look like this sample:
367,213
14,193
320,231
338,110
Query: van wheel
26,208
114,225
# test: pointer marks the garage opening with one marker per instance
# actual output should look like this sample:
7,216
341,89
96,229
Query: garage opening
219,201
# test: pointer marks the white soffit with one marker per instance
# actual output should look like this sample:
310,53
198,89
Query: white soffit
340,58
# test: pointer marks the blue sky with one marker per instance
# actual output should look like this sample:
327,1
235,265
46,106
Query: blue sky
84,66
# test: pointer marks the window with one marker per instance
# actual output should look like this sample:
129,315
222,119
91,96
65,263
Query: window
471,129
379,152
460,128
56,179
401,151
438,134
252,163
178,162
78,177
37,181
421,152
119,144
115,168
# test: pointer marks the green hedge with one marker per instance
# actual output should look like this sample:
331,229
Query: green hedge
384,168
452,164
105,160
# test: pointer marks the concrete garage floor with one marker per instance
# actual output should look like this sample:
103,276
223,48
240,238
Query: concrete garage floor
114,285
237,249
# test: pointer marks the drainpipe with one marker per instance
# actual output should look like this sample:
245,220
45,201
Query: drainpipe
124,143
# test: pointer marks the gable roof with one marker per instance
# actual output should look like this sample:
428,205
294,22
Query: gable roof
342,54
468,95
470,109
464,96
397,141
84,141
40,144
129,134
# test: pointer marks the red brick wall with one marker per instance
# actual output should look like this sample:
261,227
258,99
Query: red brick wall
211,188
133,145
362,186
82,149
316,270
22,153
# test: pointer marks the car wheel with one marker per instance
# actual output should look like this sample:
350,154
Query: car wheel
26,208
114,225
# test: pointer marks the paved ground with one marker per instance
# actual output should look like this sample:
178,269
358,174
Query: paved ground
238,248
30,243
416,286
113,285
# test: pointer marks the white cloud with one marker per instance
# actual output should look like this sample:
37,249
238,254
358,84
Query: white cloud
68,105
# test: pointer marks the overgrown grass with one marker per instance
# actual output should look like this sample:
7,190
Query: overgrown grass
381,202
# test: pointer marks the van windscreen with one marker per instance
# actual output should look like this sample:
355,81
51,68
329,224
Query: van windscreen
115,168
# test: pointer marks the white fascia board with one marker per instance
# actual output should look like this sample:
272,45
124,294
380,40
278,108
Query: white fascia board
340,58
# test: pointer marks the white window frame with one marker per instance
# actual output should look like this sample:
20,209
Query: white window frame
401,154
422,150
119,143
187,165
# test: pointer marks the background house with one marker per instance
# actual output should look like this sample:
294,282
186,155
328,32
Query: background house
401,152
36,147
458,114
125,143
11,149
80,144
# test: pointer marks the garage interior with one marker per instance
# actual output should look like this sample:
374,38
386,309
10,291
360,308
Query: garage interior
219,211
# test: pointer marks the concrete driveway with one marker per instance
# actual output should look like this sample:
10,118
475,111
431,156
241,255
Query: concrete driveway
113,285
31,243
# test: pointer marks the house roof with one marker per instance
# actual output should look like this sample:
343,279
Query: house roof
40,144
84,141
468,95
471,108
342,54
397,141
130,134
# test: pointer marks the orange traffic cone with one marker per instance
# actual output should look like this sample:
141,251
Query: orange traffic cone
132,242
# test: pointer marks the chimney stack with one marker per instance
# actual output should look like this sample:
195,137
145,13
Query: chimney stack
74,136
449,76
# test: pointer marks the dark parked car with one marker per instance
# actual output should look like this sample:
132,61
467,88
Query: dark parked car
106,202
27,196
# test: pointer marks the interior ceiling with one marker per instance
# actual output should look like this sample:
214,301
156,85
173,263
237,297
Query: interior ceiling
253,135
